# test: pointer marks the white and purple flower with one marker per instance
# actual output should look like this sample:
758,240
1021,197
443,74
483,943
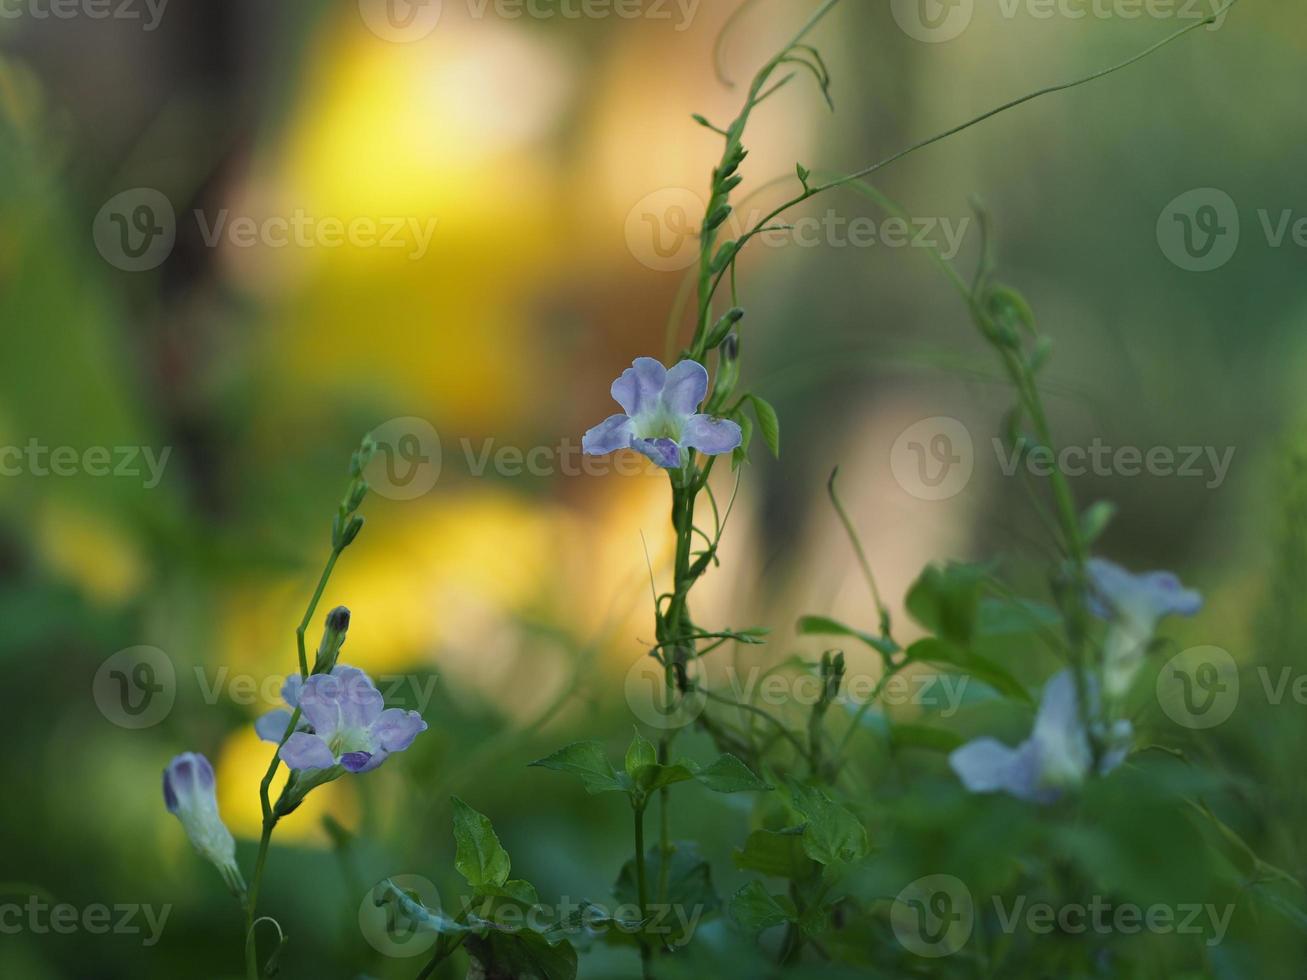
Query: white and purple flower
189,794
1133,605
661,417
348,724
1057,755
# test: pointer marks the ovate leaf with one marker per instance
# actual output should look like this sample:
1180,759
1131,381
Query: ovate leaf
478,856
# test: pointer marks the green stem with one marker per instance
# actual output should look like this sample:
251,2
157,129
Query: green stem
312,607
642,889
252,970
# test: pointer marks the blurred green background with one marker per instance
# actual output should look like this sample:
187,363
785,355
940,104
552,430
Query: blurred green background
534,143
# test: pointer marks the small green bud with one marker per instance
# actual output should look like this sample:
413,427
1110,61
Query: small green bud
333,638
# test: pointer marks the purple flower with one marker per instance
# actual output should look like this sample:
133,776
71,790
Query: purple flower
271,726
1133,605
1056,756
349,724
188,793
661,418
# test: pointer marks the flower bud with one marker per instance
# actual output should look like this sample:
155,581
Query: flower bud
188,792
333,638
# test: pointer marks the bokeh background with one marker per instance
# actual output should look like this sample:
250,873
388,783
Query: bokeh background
538,150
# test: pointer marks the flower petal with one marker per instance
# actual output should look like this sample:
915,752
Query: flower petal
395,730
608,436
686,387
360,701
709,435
986,765
641,386
320,703
272,726
1143,598
305,751
665,452
356,761
290,691
1063,746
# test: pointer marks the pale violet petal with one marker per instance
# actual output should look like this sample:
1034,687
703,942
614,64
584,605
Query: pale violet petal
272,726
395,730
710,436
686,387
320,703
1063,746
608,436
360,701
290,691
640,387
986,765
665,452
1144,598
305,751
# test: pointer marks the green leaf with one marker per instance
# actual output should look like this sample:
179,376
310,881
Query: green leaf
1095,520
833,835
640,753
804,173
478,857
940,652
521,955
1013,617
776,853
755,910
825,626
1008,306
650,779
589,761
924,737
729,775
946,600
517,890
769,423
741,454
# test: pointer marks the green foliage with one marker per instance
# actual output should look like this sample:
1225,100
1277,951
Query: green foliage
480,858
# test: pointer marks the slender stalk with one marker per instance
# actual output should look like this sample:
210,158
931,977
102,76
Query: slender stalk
642,890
